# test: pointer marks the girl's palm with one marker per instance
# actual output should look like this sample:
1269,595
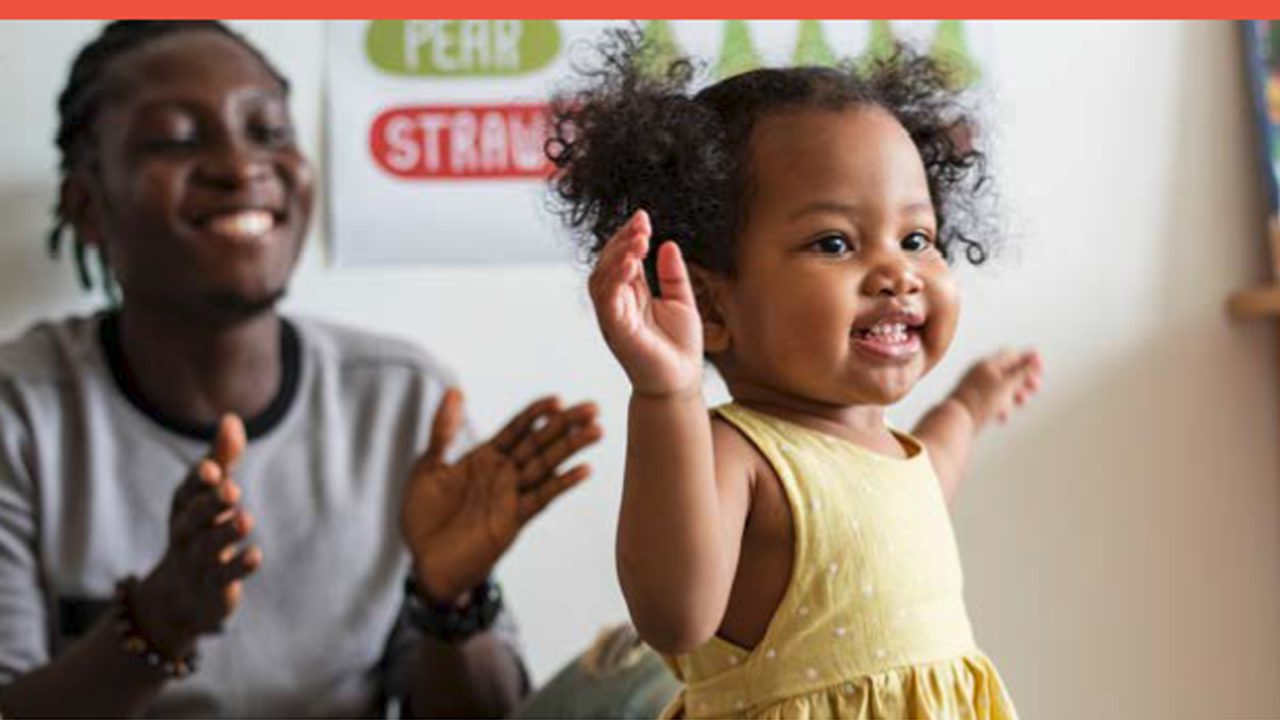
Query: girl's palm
658,340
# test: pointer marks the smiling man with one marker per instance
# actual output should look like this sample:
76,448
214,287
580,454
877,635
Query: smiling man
208,509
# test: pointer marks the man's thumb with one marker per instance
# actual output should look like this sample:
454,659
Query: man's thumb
444,427
229,444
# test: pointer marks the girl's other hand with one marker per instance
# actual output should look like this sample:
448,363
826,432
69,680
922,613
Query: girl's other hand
995,386
658,340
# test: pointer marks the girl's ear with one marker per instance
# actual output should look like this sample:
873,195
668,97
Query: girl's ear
710,289
75,204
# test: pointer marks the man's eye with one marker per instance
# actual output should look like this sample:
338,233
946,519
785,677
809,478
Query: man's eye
274,134
916,242
167,143
832,245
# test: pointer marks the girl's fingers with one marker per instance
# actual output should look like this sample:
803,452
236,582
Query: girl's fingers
628,267
673,276
608,271
1005,359
535,500
629,240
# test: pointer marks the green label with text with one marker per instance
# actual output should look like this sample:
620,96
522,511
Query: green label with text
462,48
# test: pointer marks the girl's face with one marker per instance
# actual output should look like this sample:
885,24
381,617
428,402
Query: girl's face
841,296
198,191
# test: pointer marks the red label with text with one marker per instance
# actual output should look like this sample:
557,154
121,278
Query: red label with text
452,142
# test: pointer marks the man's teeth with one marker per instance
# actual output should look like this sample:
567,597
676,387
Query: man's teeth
893,332
243,225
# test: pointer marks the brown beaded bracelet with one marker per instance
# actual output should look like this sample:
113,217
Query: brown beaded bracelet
134,642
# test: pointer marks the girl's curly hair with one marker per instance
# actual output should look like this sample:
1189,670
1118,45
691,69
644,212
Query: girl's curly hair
636,136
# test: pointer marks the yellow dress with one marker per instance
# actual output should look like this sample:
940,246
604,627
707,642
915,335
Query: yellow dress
873,622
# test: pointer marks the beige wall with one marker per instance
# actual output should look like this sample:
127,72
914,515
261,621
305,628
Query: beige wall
1121,539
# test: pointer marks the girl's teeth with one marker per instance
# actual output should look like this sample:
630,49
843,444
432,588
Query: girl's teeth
890,331
243,225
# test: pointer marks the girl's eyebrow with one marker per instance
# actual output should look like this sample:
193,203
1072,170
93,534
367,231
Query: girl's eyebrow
825,206
843,208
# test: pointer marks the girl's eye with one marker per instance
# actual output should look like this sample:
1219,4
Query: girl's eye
916,242
833,245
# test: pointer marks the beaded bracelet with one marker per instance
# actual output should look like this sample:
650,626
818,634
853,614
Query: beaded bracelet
134,642
449,623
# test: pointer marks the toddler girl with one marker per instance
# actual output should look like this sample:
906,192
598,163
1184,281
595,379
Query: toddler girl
789,552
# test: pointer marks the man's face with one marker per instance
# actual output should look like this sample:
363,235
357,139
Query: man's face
200,196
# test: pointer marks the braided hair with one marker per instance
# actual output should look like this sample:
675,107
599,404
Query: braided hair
82,97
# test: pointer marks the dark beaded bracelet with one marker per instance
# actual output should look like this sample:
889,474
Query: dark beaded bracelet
449,623
134,642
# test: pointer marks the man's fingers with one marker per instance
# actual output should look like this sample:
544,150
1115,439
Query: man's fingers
558,424
521,424
238,566
535,500
562,448
212,543
229,443
203,511
444,427
204,475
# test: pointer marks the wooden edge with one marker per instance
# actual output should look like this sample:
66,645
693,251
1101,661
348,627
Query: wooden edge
1254,303
1273,235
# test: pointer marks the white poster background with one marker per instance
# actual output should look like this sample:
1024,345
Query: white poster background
378,218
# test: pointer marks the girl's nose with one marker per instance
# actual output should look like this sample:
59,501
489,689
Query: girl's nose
893,277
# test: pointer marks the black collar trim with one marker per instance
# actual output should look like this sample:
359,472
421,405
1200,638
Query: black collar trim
256,426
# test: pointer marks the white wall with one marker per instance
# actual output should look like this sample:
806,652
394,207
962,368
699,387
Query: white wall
1121,539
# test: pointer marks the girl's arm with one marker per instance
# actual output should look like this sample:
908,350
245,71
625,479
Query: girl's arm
683,505
683,513
991,389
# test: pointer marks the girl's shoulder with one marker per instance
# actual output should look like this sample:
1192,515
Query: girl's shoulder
738,450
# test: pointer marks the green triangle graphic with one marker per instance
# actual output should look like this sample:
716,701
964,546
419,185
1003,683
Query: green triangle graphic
951,47
738,53
812,47
881,44
660,48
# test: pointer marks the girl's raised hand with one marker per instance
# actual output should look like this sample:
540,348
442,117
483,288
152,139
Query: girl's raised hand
658,340
996,385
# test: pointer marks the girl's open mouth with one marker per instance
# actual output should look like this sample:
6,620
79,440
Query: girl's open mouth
888,340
